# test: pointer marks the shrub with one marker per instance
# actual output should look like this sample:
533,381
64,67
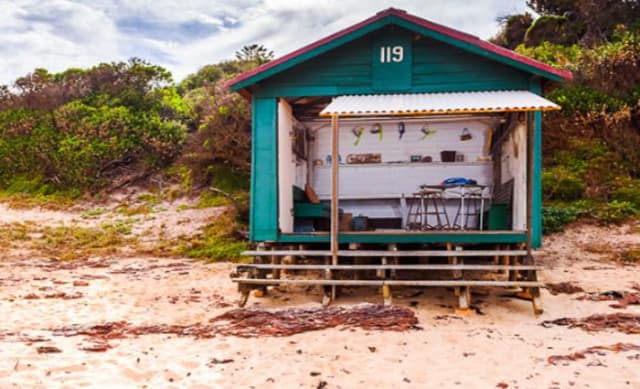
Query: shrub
628,190
553,54
560,183
581,99
554,218
81,128
218,241
614,212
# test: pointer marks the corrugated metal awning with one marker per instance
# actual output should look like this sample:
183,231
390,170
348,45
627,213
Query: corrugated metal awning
437,103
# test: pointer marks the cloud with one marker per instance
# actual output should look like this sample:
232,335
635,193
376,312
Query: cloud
186,35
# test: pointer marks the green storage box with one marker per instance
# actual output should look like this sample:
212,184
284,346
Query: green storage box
312,210
497,218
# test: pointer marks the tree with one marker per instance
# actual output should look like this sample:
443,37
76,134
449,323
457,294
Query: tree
513,29
254,53
566,22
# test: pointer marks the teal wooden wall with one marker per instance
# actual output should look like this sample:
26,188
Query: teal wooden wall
536,160
433,66
263,216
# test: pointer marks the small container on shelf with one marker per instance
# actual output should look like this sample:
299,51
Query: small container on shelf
448,156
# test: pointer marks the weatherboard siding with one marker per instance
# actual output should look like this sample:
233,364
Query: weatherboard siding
433,67
264,171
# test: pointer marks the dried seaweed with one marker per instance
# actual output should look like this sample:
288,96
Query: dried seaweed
245,323
623,322
54,295
248,323
624,299
97,347
617,347
563,288
48,350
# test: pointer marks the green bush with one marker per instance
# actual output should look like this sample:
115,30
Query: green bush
560,183
628,190
552,54
80,128
219,241
581,99
614,212
554,218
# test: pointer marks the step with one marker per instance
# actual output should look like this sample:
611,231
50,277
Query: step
387,267
385,253
267,281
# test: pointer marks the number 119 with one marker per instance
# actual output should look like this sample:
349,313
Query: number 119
391,54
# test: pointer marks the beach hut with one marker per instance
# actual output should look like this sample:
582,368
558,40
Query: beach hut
396,152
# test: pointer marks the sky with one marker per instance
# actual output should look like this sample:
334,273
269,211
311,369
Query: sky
185,35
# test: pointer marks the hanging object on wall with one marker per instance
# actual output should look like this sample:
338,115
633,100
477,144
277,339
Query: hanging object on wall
427,132
487,146
357,132
354,159
317,162
401,130
466,134
377,129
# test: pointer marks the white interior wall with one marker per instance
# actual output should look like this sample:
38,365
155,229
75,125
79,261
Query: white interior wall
514,166
376,190
393,148
286,167
396,175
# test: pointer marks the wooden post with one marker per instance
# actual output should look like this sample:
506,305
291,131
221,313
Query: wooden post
531,275
335,163
335,217
530,123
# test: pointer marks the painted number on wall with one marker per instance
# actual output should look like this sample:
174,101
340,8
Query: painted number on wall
391,54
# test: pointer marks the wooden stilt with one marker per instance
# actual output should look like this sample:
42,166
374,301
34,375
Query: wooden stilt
464,302
261,291
244,297
328,290
394,260
356,260
452,261
386,294
276,260
463,293
532,275
505,261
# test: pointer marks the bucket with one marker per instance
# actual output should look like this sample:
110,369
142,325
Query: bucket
360,223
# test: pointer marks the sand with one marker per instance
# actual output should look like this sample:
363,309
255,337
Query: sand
504,347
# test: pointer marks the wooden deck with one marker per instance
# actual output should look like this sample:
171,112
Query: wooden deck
504,265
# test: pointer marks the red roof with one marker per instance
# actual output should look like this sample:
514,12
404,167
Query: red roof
447,31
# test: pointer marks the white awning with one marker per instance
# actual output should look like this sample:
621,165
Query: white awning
437,103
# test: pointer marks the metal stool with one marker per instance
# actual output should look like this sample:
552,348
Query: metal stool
427,202
471,204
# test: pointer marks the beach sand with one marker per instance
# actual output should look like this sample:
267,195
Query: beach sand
504,347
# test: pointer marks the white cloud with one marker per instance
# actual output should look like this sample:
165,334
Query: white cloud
185,35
